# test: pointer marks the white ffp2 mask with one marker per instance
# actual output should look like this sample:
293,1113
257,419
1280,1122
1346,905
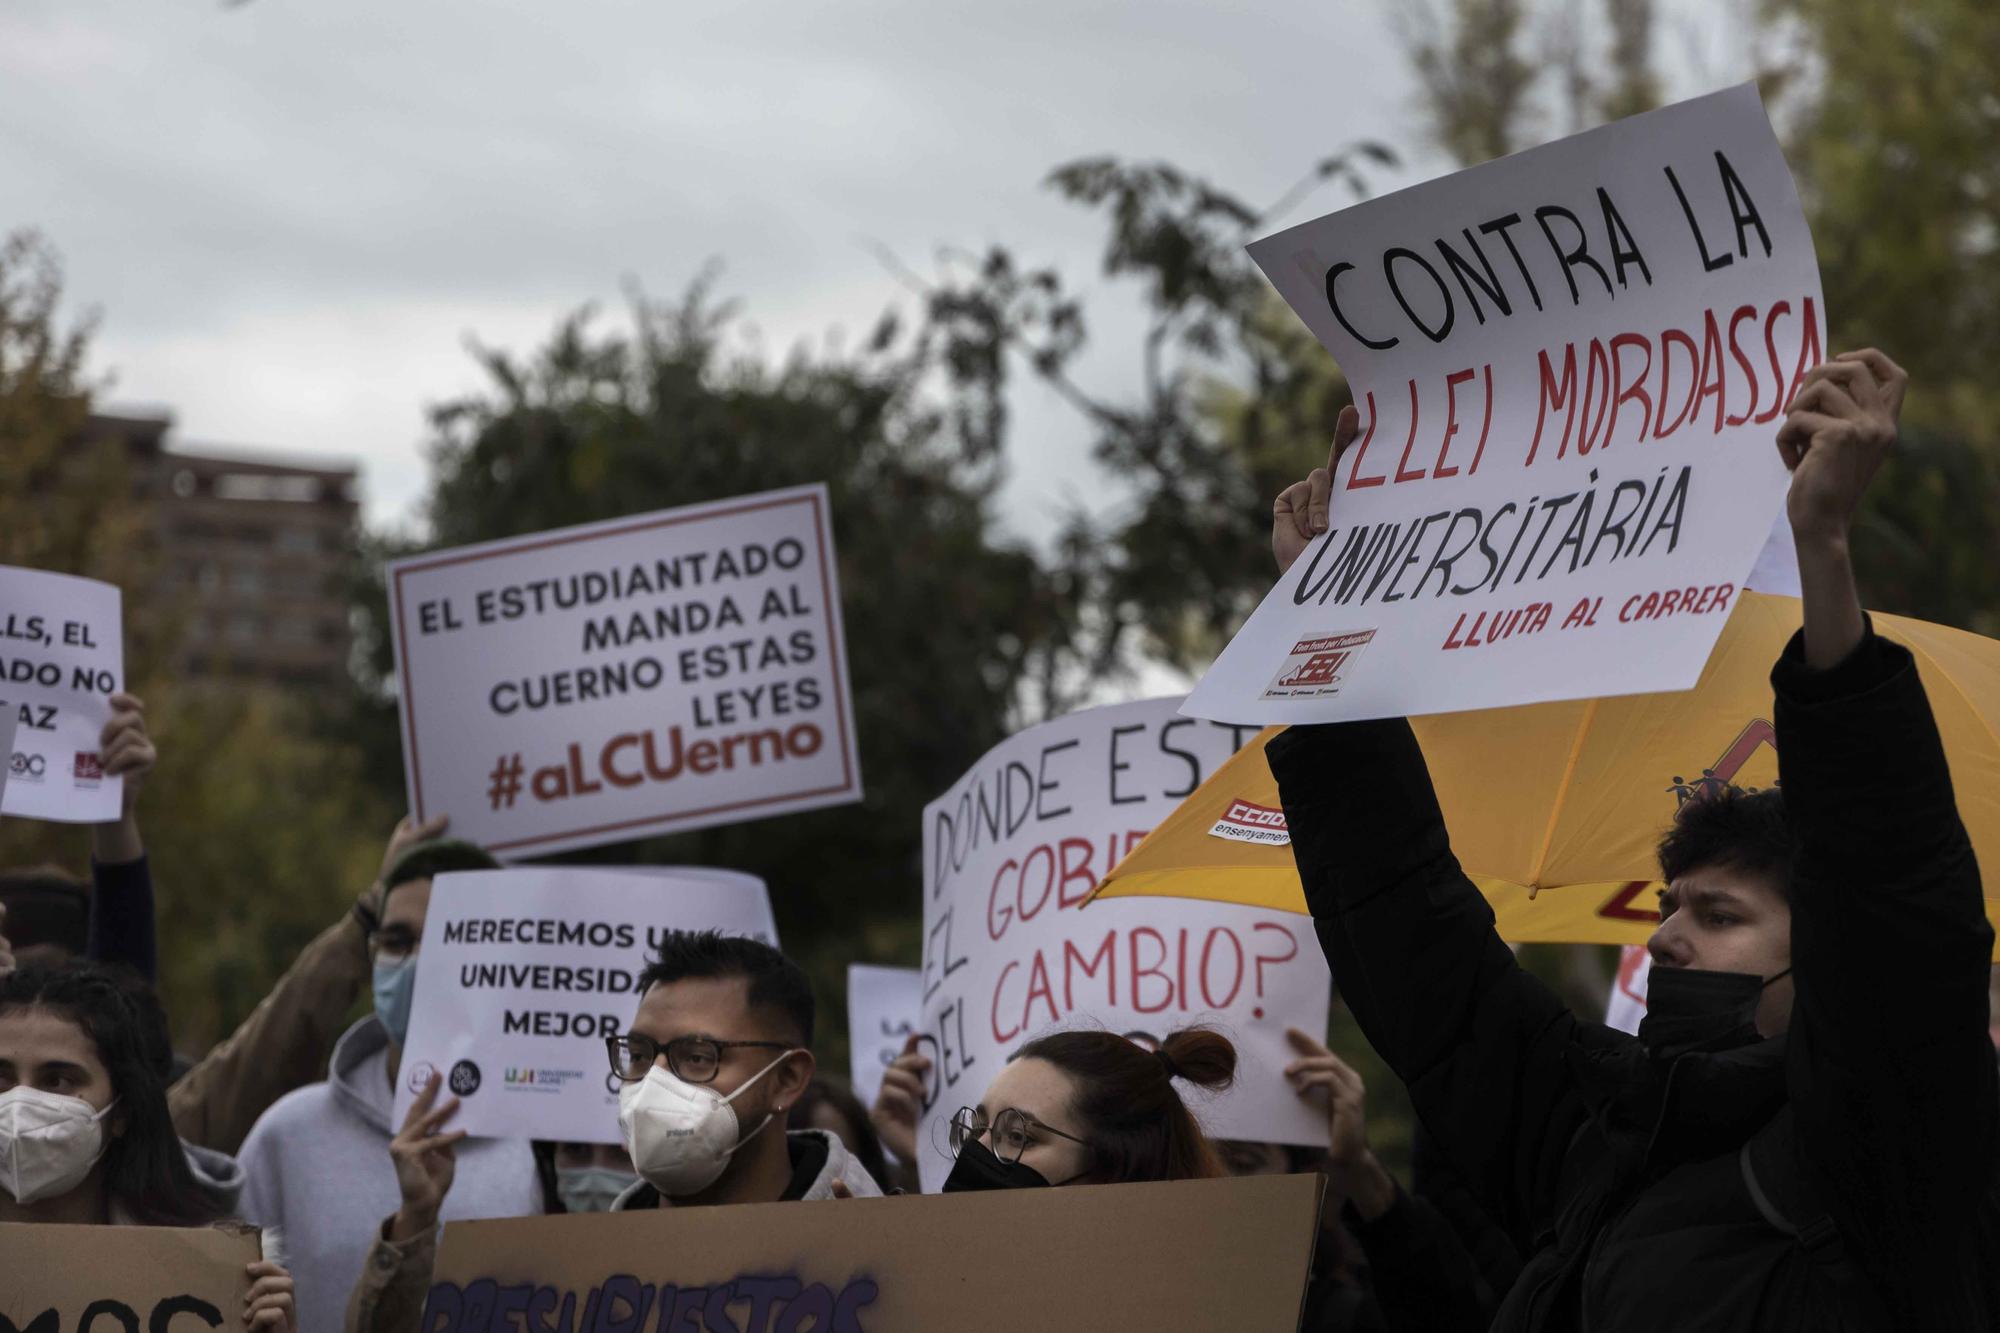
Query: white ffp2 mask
681,1134
48,1142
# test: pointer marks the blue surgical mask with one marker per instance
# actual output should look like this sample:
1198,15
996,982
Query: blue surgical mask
395,983
592,1189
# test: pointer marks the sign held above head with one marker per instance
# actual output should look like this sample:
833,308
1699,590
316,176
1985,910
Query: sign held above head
1569,366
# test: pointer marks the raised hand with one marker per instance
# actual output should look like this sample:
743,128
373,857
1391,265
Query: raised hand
1839,428
1299,514
901,1101
1356,1172
124,748
426,1158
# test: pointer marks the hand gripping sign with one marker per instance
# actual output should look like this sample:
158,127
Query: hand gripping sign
1012,851
1569,366
600,683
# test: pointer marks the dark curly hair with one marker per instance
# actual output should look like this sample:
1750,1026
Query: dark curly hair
1745,831
146,1170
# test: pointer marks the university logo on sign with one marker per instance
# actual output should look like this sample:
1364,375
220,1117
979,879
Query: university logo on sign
1318,665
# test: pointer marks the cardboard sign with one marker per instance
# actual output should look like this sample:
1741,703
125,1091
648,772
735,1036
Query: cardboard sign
883,1006
1011,853
65,1279
524,973
1195,1256
645,675
62,657
1570,366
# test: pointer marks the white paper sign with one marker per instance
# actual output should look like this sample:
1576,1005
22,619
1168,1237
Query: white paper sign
62,657
523,974
1010,953
883,1005
645,675
1626,1004
1570,366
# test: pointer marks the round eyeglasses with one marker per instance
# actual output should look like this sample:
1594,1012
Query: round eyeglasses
1008,1135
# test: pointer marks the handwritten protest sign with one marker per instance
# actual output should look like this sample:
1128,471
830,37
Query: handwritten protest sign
1010,854
882,1008
1194,1256
62,657
1570,365
604,682
68,1279
524,973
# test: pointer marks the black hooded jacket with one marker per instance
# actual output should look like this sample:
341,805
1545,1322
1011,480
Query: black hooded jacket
1845,1175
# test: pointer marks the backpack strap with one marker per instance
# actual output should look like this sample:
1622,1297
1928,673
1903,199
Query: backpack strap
1785,1200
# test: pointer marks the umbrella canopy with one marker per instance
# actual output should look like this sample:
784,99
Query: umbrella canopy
1555,809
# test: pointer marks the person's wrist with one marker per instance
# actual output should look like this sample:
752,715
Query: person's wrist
1367,1185
1821,538
411,1221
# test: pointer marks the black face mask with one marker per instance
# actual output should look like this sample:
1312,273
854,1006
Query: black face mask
977,1168
1690,1009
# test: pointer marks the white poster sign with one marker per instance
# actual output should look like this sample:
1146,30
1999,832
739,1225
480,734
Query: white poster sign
1570,366
1626,1005
1010,952
523,974
644,675
883,1005
62,657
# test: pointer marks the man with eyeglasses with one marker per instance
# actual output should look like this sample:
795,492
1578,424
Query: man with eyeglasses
717,1055
317,1165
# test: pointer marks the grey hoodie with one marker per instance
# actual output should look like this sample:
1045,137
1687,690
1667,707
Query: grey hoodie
839,1165
316,1166
217,1170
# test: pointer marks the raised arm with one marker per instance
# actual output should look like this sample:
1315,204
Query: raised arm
286,1041
123,929
1411,941
1893,1075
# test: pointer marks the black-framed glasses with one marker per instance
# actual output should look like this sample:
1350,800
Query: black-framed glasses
1012,1132
692,1059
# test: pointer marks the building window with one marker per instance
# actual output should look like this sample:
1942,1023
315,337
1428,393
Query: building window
298,541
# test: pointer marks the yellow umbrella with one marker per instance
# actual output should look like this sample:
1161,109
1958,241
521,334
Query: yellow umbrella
1554,809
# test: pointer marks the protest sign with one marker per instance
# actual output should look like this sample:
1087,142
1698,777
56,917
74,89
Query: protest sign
62,657
80,1279
605,682
1192,1256
524,973
882,1008
1626,1005
1570,365
1012,852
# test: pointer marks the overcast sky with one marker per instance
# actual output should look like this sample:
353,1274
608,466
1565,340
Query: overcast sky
292,214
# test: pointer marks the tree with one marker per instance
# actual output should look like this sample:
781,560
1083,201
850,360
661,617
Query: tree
259,828
957,637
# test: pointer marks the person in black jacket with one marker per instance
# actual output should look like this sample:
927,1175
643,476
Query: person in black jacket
1806,1132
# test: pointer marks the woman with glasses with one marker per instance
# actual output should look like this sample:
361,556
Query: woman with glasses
1095,1108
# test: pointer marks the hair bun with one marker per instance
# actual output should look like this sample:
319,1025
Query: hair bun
1201,1056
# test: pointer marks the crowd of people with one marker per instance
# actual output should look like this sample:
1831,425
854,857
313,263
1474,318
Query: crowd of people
1804,1133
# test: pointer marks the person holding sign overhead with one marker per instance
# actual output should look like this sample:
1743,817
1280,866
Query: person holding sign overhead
1806,1131
85,1136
